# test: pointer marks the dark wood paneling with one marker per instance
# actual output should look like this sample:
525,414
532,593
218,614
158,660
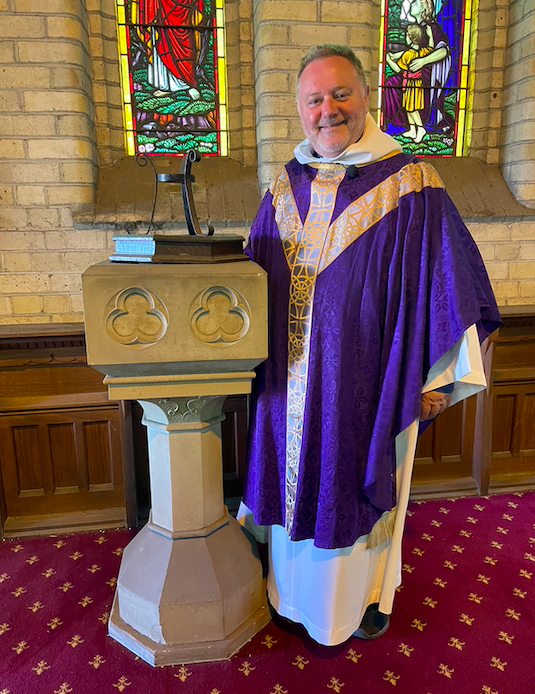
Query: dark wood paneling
63,458
44,336
43,471
26,476
141,463
528,424
63,454
97,437
444,450
31,384
126,450
512,464
513,439
234,444
504,407
3,509
482,435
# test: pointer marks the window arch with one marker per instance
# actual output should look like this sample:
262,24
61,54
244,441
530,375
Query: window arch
173,76
426,74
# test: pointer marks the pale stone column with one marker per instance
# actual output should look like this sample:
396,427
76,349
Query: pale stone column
109,125
189,587
184,436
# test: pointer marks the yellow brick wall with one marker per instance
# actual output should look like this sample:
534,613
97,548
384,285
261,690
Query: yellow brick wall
48,158
508,250
283,32
60,118
40,273
518,132
240,78
105,79
491,20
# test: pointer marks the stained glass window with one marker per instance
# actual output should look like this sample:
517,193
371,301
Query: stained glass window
426,75
173,76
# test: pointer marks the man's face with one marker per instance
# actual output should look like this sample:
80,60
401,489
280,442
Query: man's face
332,103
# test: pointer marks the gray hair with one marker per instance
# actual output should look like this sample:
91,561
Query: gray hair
328,50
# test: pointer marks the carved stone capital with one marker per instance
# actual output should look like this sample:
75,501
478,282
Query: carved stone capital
188,410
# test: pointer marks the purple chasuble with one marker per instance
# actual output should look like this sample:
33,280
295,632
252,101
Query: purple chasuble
371,280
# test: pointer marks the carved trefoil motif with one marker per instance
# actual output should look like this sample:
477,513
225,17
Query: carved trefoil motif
219,315
135,317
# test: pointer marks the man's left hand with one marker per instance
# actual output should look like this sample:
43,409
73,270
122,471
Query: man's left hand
433,404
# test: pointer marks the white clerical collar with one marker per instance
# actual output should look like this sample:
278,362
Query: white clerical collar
374,144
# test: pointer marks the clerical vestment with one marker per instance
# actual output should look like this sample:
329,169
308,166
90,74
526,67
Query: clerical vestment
372,280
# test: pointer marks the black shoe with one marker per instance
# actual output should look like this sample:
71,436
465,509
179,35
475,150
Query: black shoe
373,625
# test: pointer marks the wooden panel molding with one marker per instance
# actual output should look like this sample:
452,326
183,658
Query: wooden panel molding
512,465
65,453
444,455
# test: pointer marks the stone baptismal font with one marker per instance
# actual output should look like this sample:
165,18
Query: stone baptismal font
178,323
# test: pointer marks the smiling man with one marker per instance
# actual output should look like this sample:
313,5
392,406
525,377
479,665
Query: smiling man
332,99
378,300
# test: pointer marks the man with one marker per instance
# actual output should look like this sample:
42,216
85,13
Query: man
377,294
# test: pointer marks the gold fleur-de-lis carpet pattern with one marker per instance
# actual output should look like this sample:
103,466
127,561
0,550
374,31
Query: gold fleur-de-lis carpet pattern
463,621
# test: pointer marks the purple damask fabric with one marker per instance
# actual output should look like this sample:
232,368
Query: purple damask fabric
390,305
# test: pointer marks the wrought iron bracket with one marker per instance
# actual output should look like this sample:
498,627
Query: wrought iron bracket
185,178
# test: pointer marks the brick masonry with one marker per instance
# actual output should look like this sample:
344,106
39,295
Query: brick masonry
518,132
489,60
60,119
48,158
283,32
508,250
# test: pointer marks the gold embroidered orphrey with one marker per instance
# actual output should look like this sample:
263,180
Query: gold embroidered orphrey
309,249
135,317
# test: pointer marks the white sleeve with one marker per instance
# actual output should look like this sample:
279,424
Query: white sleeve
245,519
461,365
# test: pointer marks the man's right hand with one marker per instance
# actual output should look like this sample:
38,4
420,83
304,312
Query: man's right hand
433,403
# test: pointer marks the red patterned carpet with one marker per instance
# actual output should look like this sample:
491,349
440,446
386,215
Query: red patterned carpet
463,620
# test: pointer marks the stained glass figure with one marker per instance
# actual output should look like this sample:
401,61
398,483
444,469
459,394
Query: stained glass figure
173,76
425,74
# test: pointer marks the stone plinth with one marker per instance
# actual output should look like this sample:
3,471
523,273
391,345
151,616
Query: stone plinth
185,599
179,339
